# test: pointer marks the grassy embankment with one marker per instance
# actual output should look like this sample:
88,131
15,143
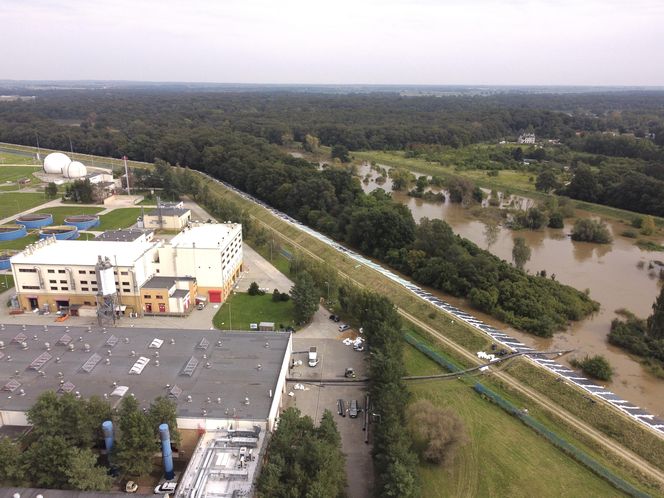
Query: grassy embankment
241,309
598,415
118,218
503,457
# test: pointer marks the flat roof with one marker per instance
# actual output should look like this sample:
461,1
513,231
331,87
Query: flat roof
123,235
206,235
169,211
163,282
217,369
83,252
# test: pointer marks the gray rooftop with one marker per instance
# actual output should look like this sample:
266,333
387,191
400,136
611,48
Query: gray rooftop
201,363
126,235
163,282
169,211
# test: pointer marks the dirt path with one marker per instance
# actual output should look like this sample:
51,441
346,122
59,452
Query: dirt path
638,462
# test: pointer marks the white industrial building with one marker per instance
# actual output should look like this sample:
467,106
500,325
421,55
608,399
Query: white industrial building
63,275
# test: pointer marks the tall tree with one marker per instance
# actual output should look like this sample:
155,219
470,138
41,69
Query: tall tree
656,320
51,190
11,470
305,297
84,474
163,411
520,252
136,442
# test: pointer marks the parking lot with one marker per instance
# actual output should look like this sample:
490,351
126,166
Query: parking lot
334,358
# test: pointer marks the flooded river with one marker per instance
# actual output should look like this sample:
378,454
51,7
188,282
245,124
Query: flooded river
609,271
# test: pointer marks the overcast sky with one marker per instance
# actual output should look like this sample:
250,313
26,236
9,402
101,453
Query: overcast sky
566,42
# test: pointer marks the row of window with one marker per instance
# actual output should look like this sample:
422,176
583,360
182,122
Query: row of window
149,296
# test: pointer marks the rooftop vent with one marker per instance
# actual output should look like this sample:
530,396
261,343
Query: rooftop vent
67,387
89,365
64,340
120,391
11,386
21,337
40,361
190,367
112,341
203,344
139,366
174,392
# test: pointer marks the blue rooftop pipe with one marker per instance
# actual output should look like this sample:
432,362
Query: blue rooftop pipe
166,452
107,428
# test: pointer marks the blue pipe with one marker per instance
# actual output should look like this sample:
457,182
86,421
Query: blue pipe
165,436
107,428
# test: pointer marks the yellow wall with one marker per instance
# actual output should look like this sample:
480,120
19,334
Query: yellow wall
91,299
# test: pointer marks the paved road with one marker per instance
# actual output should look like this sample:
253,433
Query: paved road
258,269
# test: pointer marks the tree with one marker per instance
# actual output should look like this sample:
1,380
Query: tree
46,462
401,178
276,295
422,183
546,181
84,474
556,220
587,230
655,321
305,297
437,433
517,154
11,470
81,191
596,366
340,152
51,190
311,143
254,290
648,225
164,411
136,443
520,252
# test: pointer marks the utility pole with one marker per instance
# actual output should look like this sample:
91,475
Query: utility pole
124,158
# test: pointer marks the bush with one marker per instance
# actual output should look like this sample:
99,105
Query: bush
284,296
254,290
276,295
437,433
586,230
631,234
596,366
556,220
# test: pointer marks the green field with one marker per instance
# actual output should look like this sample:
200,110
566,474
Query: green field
118,218
242,309
18,244
503,457
61,212
6,281
14,202
13,173
8,158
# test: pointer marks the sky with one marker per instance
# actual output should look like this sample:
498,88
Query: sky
437,42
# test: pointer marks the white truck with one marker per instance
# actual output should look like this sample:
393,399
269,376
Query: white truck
313,356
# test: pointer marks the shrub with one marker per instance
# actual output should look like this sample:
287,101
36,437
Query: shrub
586,230
556,220
254,289
596,366
437,433
631,234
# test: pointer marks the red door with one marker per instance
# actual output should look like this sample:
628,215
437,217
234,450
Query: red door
215,296
148,307
162,308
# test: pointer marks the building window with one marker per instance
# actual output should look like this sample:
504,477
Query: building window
126,283
50,271
64,288
94,289
61,271
84,281
124,273
81,272
52,282
157,270
84,289
91,272
31,287
27,270
147,296
87,303
159,297
54,288
93,282
63,281
126,289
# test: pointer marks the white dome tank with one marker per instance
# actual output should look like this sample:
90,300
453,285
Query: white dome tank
75,169
55,163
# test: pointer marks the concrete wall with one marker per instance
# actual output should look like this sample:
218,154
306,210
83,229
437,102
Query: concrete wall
212,424
168,222
280,389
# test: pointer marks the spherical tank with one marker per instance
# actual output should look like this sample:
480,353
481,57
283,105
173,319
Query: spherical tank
75,169
56,162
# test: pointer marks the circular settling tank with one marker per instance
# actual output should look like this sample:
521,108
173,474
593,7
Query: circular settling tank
35,220
83,221
4,262
12,232
63,232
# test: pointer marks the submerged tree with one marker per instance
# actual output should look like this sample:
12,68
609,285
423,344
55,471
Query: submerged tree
520,252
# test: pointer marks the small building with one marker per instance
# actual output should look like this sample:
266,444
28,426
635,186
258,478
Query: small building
168,295
266,326
166,218
126,235
526,138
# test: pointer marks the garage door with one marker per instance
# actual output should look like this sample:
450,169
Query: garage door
215,296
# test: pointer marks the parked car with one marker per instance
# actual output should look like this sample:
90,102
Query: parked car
200,306
343,327
165,487
334,318
341,407
353,409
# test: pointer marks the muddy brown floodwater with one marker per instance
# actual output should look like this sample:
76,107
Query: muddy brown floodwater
609,271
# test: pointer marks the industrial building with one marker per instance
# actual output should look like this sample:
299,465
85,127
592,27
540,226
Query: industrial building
126,235
229,385
139,276
167,218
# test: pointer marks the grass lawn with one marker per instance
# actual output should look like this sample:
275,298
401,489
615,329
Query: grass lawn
6,281
503,457
118,218
14,202
61,212
13,173
242,309
8,158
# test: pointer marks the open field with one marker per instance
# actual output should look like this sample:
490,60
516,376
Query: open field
503,457
9,158
18,244
13,173
61,212
118,218
638,439
13,202
242,309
